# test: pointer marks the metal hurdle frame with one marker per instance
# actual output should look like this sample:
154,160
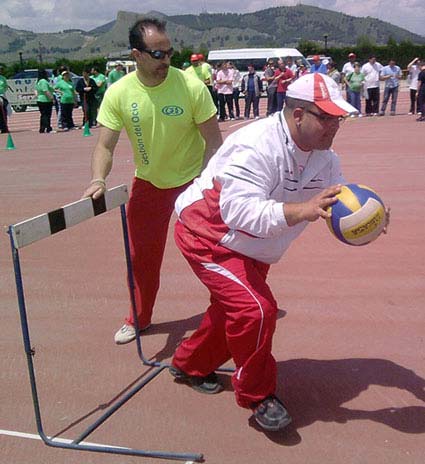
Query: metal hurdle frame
34,229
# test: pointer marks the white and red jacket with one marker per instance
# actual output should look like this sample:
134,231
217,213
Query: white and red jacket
238,199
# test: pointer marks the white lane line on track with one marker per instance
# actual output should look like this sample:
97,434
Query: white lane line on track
32,436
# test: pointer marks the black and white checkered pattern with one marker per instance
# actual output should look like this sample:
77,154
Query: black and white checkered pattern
44,225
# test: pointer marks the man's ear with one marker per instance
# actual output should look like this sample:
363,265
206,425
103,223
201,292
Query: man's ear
136,54
297,114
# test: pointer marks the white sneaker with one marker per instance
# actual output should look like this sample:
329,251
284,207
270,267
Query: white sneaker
127,333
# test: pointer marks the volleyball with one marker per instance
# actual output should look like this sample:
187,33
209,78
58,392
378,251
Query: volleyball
358,217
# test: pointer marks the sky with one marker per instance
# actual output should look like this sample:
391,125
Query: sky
57,15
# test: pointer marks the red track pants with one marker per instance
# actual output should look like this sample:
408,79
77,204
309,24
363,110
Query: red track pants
239,322
148,215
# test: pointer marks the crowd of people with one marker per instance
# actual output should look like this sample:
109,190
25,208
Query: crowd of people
228,86
362,84
62,93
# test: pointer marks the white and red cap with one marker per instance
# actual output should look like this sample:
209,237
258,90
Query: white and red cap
321,90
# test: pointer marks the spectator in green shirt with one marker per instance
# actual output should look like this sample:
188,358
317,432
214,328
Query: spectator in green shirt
116,73
101,82
354,82
67,99
3,103
44,92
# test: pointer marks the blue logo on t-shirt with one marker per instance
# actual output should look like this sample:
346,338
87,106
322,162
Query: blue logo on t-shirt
172,110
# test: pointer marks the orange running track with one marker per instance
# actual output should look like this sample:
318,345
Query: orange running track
349,340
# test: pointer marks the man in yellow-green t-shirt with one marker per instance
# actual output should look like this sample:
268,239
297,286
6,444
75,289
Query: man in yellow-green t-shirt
199,71
170,120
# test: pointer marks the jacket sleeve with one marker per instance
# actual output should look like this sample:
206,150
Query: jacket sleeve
260,83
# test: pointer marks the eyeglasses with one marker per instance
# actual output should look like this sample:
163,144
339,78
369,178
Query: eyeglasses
159,54
326,118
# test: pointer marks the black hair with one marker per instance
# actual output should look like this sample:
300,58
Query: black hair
42,74
138,31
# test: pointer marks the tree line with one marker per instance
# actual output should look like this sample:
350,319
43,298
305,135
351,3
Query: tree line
402,52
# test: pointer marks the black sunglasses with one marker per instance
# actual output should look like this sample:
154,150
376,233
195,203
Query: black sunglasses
159,54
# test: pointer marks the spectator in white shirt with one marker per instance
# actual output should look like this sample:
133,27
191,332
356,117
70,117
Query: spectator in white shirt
224,84
371,71
414,69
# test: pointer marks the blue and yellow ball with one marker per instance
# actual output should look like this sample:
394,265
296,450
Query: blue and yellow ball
358,217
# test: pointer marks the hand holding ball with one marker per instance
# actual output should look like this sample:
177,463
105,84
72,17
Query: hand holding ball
359,216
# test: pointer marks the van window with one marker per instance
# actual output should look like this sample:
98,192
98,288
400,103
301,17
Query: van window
242,57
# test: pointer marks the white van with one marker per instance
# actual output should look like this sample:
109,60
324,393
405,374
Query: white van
242,57
257,56
128,65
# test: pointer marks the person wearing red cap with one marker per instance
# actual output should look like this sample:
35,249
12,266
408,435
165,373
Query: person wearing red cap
199,71
348,68
262,188
208,70
318,66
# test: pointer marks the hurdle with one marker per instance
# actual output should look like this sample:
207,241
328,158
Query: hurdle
31,230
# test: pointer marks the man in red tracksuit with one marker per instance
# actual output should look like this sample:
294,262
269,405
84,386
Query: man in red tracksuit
257,194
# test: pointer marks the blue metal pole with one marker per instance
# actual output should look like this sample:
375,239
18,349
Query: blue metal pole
130,279
117,405
127,451
25,335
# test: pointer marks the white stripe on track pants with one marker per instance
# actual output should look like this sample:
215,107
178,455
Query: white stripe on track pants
239,322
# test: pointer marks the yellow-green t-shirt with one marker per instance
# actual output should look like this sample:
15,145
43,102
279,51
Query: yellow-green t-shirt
208,71
198,71
161,123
